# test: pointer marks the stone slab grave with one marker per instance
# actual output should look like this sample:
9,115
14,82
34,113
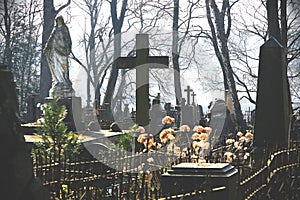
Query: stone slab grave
84,136
184,178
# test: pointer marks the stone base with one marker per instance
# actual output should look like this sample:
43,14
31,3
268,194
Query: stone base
74,116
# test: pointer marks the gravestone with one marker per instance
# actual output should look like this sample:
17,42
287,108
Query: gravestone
272,104
203,119
142,62
33,112
219,121
156,115
187,114
219,180
188,91
17,181
193,98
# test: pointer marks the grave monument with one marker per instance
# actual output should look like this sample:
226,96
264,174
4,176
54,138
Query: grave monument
272,104
17,181
211,180
142,62
57,51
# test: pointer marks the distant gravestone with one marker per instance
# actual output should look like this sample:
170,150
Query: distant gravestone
142,62
33,112
218,121
187,114
193,98
156,115
272,107
188,91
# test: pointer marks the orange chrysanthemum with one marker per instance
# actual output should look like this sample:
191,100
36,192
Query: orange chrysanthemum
198,129
140,129
168,120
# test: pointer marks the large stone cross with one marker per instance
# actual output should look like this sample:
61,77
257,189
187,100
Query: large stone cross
142,62
188,90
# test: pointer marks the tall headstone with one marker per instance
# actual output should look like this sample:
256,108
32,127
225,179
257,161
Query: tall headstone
142,62
272,105
17,181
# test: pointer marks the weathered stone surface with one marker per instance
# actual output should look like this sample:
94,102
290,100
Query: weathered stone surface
272,107
190,177
16,170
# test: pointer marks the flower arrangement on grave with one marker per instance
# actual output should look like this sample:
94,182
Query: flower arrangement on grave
238,150
200,144
151,142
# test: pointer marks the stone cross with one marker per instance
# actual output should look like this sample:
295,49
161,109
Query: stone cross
193,96
142,62
188,90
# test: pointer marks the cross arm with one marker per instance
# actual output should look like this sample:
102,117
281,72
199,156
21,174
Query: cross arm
153,61
126,62
158,61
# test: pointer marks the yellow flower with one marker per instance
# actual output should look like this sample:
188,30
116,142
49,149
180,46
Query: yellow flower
170,137
242,139
196,145
140,129
203,136
230,141
166,135
196,136
229,157
207,130
249,135
184,128
168,120
239,134
198,129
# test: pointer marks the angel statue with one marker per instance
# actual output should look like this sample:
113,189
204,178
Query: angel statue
57,51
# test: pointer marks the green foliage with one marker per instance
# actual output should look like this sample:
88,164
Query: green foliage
125,142
57,140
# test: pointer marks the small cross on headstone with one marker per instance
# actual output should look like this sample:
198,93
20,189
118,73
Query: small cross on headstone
188,90
193,96
142,62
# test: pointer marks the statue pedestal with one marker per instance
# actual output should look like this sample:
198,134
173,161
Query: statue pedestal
74,116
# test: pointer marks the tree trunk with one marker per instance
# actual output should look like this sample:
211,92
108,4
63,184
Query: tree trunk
7,24
117,26
219,39
175,54
48,23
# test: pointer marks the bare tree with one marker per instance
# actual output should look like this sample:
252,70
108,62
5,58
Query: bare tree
219,38
21,33
117,23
